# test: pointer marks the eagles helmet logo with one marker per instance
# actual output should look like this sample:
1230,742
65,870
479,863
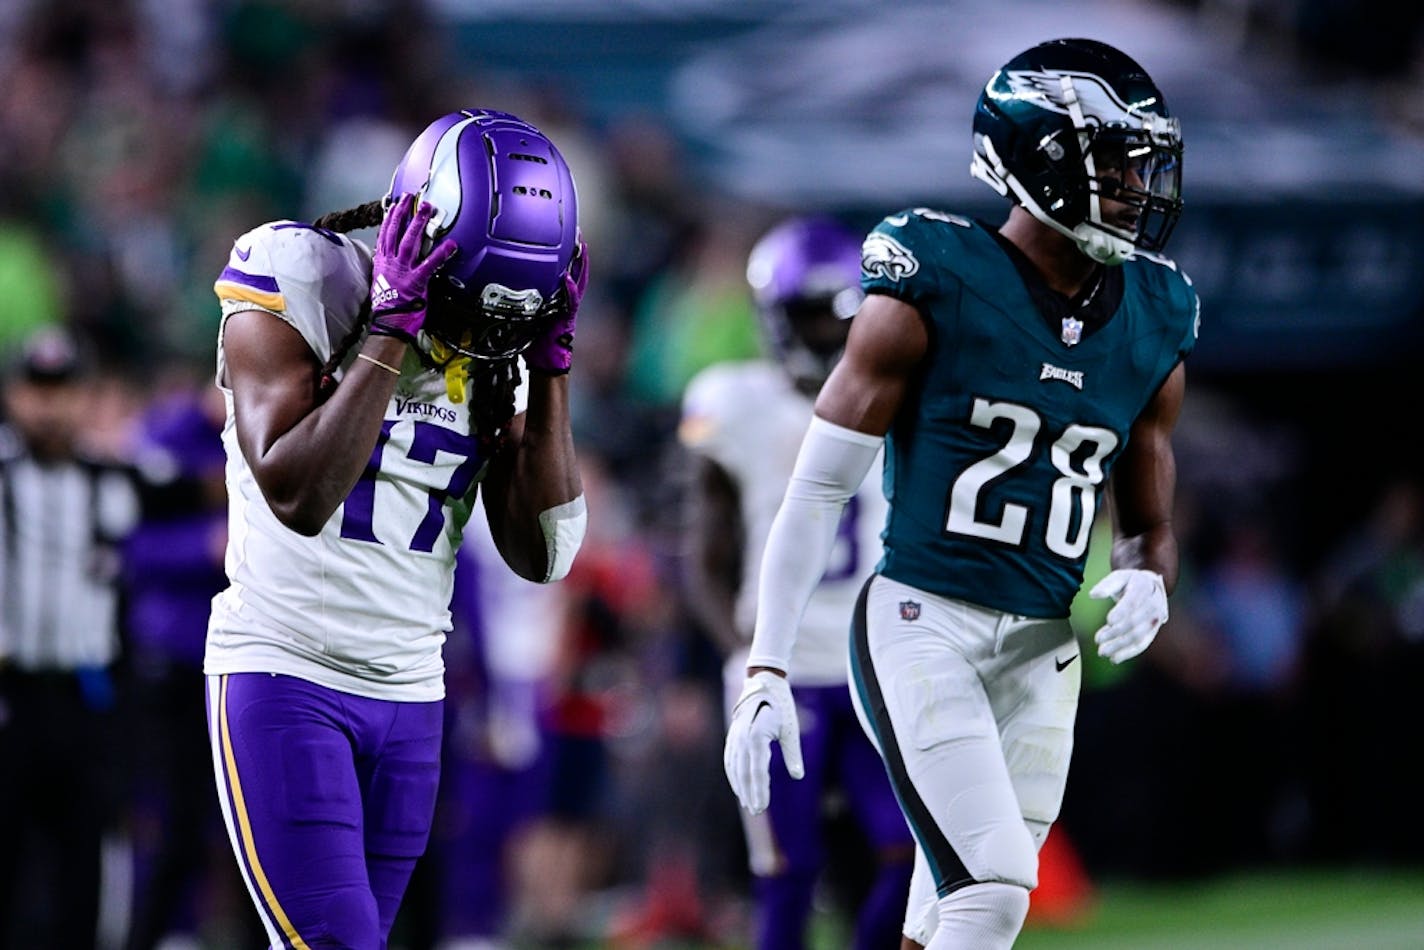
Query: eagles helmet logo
883,256
1048,89
1063,91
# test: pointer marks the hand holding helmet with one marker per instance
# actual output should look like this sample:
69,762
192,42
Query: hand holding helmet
399,275
502,191
553,352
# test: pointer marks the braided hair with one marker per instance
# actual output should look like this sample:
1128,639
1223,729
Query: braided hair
368,215
493,383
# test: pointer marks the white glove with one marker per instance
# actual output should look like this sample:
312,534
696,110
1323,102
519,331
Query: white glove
1133,622
764,711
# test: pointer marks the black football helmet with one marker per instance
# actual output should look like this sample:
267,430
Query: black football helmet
1071,123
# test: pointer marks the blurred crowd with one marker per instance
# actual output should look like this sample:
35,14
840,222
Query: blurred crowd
582,797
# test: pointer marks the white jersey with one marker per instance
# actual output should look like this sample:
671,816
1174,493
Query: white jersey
363,606
749,419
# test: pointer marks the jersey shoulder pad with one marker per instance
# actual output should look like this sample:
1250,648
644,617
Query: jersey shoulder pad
911,254
724,398
1174,292
315,279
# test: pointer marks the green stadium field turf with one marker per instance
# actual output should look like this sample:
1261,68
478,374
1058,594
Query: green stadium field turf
1286,910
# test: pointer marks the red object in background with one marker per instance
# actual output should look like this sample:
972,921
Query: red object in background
1065,895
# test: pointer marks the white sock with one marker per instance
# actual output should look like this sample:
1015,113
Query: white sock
981,917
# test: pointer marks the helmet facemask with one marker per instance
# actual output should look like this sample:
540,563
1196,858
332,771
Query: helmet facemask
1142,172
502,325
807,334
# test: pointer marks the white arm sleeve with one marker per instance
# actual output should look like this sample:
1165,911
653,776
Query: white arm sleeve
829,469
563,527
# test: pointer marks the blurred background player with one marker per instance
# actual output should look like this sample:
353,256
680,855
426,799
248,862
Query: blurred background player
742,422
172,569
65,511
368,395
1006,372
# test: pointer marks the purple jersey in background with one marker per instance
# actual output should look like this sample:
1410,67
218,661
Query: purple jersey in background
173,565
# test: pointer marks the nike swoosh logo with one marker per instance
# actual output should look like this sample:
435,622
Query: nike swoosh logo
243,253
1062,665
760,706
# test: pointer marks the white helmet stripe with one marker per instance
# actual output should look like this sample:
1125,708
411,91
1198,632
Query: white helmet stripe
442,186
1075,112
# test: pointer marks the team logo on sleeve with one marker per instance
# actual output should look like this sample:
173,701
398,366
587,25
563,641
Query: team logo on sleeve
909,610
883,256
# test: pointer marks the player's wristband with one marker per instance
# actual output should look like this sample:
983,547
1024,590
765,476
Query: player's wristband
383,365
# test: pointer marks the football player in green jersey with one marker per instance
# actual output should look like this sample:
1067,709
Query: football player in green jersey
1008,373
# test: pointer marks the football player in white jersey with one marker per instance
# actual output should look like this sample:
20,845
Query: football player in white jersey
369,396
743,422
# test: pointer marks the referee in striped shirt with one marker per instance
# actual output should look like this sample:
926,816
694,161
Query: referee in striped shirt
63,516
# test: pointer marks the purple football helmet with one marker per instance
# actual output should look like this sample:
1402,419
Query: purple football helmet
805,280
503,192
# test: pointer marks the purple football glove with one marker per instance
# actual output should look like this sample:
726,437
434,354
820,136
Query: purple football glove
398,275
553,352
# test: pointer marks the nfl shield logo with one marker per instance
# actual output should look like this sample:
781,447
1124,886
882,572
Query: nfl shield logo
1072,331
909,610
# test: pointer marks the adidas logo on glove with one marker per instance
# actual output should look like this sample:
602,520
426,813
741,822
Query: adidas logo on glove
382,292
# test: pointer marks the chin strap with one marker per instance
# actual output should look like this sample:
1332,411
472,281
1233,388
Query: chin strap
456,366
1102,247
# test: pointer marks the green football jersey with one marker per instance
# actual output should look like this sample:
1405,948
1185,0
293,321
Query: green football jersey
998,459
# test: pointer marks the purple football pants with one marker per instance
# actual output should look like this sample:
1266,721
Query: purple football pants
328,799
836,753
